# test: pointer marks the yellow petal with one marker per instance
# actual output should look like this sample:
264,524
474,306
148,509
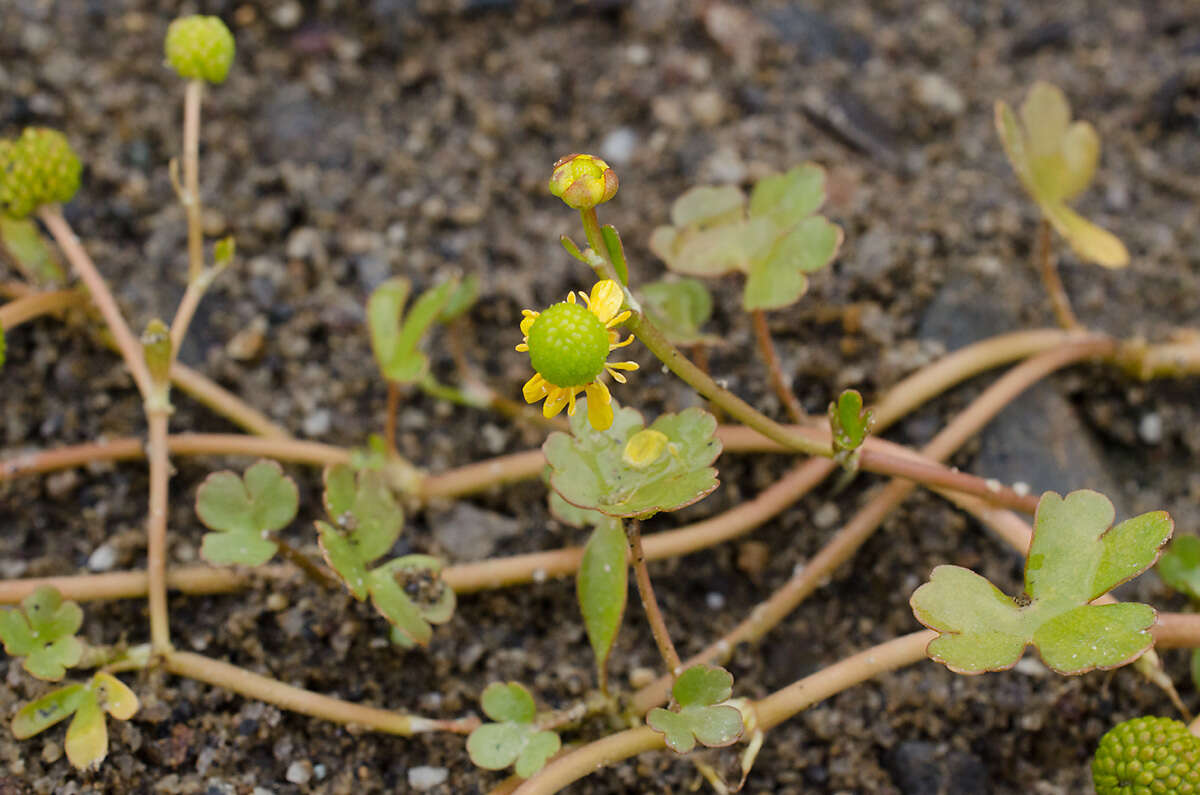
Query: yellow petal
522,348
606,300
555,401
619,319
599,406
612,340
534,389
527,324
622,365
570,402
570,298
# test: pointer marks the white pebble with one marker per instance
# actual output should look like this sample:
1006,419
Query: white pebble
103,559
299,772
618,146
425,777
317,423
1150,429
715,600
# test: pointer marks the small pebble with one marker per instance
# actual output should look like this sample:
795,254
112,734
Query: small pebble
103,558
317,423
424,777
299,772
618,146
714,600
1150,428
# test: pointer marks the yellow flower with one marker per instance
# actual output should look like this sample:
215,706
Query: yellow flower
568,346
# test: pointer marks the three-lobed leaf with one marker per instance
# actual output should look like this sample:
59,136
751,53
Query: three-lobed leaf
775,239
43,631
589,468
244,512
365,522
513,739
700,716
602,586
1076,556
87,737
1056,160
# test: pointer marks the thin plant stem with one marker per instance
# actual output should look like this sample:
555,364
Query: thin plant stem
770,712
306,702
733,405
36,304
1047,268
102,297
156,531
197,580
766,346
225,403
187,309
389,417
846,541
311,569
192,97
131,449
658,625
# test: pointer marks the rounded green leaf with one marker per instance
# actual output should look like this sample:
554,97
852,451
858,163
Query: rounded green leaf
777,275
540,748
495,746
114,696
702,685
708,205
508,702
1095,636
789,197
679,307
43,632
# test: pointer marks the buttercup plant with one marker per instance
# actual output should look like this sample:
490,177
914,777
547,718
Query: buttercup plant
611,471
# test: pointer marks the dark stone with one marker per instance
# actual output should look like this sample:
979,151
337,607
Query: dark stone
924,768
818,38
1049,35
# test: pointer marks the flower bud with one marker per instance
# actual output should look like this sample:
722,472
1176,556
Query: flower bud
38,168
583,181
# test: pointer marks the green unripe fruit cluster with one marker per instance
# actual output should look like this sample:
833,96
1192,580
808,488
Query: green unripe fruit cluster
1147,756
200,48
568,345
38,168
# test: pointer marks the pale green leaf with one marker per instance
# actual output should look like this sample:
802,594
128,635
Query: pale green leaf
698,691
708,205
777,277
541,747
409,593
787,198
495,746
849,422
30,252
1092,243
1179,566
461,299
602,586
508,702
395,335
244,513
589,468
1074,558
679,307
365,522
43,631
87,736
44,712
1095,636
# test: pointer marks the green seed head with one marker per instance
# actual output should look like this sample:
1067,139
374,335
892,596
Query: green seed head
38,168
568,345
1146,756
200,48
